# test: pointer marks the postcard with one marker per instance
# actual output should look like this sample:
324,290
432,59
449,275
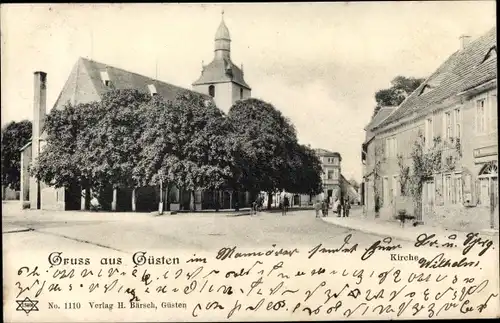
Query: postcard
249,162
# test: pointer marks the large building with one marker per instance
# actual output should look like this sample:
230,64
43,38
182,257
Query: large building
221,81
458,105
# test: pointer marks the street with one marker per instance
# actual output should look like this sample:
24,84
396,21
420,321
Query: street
128,232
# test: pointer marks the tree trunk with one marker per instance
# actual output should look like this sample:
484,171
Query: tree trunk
192,203
167,198
217,205
269,200
237,202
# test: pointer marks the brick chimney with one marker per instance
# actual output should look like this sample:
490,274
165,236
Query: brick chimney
39,111
39,103
464,41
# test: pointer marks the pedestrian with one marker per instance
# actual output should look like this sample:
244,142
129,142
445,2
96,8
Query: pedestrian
325,207
344,214
347,207
285,205
317,207
339,207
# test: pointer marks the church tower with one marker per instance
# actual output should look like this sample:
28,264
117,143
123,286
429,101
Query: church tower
222,79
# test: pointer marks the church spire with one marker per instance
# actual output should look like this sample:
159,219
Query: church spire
222,41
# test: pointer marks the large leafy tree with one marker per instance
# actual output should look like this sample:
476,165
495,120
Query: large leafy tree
188,141
14,136
266,138
109,149
401,88
304,171
62,162
92,145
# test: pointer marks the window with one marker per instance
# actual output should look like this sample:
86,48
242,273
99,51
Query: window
152,89
211,91
481,116
429,133
447,188
336,161
488,184
330,174
105,78
391,147
395,186
241,94
447,124
458,123
494,112
385,190
335,173
491,54
457,184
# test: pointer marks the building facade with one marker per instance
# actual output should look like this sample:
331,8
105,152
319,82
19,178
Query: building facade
331,177
221,81
457,107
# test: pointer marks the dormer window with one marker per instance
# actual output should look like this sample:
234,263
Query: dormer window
492,53
425,89
211,91
105,78
152,89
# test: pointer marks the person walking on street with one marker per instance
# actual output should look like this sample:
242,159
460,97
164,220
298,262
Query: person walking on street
286,203
344,209
317,207
347,207
339,208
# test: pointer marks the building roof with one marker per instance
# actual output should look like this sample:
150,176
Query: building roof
326,153
86,83
463,70
380,116
220,71
222,32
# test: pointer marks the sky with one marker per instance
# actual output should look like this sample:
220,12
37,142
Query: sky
320,64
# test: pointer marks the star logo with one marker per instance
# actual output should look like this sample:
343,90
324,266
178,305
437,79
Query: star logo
26,305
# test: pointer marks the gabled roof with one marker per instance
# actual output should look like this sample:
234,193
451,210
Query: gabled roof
220,71
463,70
85,83
326,153
380,116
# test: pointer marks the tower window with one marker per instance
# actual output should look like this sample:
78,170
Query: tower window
241,94
211,91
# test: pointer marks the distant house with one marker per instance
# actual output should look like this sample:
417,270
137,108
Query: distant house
331,178
368,158
458,104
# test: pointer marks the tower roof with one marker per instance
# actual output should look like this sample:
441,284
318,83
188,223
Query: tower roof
222,32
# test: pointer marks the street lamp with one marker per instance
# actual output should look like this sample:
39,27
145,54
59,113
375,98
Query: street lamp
161,175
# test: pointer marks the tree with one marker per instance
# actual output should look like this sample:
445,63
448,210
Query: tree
305,171
92,145
14,136
190,141
62,163
401,88
109,149
266,138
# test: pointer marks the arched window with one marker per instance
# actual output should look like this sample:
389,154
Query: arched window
211,91
488,184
